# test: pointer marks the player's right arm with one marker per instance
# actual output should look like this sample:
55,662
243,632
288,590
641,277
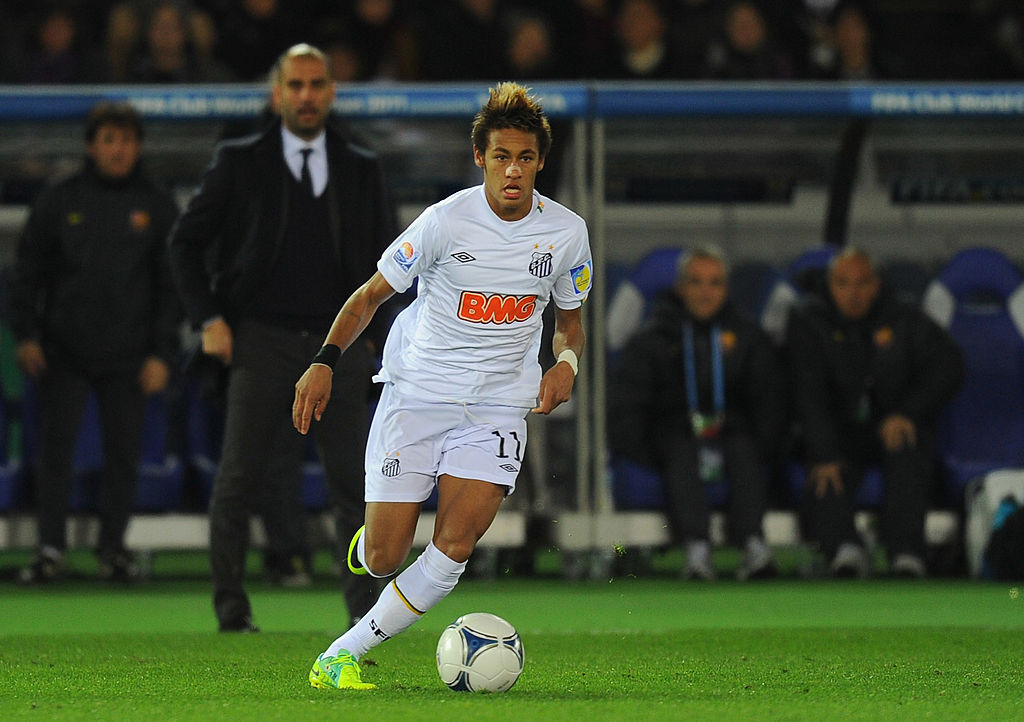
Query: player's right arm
313,390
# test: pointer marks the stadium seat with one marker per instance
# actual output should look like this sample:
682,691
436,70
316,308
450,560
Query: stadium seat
979,298
907,279
161,469
204,432
630,303
869,493
806,272
761,292
10,459
161,473
639,487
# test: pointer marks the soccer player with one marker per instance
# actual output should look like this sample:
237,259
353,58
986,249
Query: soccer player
460,369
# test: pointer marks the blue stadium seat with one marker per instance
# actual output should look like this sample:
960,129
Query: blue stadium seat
161,469
630,304
869,493
10,458
639,487
906,278
979,298
806,272
764,294
204,432
161,473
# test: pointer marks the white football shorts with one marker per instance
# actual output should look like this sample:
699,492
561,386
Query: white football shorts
412,442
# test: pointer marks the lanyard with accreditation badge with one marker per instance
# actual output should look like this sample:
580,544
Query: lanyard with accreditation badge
706,427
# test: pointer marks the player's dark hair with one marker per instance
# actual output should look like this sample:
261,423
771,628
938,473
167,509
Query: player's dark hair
120,114
511,106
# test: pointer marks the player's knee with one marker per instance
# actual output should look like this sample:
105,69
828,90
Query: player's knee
382,562
456,549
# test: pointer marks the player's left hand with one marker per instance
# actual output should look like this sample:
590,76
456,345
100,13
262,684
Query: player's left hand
555,388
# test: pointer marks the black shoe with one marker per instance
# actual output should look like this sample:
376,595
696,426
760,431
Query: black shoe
119,566
242,625
48,566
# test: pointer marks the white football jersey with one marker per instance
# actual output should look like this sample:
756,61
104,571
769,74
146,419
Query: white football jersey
473,333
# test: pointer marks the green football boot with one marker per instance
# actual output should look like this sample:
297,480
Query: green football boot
340,672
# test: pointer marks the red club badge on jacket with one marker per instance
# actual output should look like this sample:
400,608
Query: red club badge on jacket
139,220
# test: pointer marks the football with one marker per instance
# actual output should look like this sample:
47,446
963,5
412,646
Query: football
479,652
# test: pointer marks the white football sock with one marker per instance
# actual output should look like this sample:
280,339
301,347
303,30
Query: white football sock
423,584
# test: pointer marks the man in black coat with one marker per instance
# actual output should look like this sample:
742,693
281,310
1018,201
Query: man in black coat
870,375
283,227
699,396
94,311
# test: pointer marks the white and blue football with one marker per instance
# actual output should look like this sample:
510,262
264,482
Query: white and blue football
479,652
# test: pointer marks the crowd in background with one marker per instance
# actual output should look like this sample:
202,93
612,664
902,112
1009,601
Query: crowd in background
182,41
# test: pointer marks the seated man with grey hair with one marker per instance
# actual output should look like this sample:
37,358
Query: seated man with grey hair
698,395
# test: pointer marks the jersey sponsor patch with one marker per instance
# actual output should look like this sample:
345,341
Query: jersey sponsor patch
496,308
581,276
405,255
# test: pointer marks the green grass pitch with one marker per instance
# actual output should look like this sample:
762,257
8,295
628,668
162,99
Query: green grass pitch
626,648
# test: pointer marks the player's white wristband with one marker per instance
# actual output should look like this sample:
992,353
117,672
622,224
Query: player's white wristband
569,356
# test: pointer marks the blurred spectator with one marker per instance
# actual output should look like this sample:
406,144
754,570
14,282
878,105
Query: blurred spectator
699,397
530,52
587,33
122,35
56,50
385,40
94,311
849,51
871,373
645,49
460,40
254,33
745,48
693,25
169,52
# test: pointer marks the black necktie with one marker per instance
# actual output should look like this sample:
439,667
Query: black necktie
304,177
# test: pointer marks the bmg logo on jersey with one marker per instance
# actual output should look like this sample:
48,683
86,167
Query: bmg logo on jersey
497,308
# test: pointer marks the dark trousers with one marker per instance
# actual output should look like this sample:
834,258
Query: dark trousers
908,476
63,393
263,453
686,499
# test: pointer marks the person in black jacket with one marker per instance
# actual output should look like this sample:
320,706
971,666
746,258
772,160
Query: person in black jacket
870,375
283,227
699,396
94,310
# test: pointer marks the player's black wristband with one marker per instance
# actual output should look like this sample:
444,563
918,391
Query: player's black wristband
328,356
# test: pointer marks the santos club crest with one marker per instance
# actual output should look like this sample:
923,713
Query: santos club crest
540,266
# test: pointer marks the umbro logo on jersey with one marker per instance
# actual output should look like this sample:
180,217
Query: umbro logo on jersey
390,467
540,266
497,308
463,257
509,468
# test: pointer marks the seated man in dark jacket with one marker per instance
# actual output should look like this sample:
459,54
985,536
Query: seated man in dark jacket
870,376
699,396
